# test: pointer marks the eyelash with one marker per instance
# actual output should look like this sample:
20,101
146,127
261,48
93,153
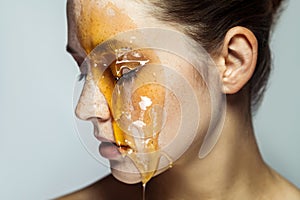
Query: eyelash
82,76
128,75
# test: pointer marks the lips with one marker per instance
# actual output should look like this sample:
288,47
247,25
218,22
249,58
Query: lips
110,151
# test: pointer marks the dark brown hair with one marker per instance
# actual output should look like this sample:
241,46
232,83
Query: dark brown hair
207,22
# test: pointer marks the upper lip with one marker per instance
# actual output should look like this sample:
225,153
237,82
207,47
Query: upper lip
120,146
102,139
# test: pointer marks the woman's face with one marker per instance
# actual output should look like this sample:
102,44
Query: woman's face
179,97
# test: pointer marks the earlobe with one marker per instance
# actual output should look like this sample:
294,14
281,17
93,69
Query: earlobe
238,59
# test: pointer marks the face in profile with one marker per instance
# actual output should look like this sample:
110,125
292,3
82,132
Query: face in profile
148,106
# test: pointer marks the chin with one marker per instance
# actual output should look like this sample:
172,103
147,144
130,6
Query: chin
126,177
125,171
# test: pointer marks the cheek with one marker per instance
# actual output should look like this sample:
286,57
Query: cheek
189,116
184,128
172,121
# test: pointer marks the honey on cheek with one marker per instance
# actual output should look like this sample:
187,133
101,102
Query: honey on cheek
137,138
137,105
93,28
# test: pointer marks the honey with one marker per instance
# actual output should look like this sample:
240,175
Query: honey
96,22
138,113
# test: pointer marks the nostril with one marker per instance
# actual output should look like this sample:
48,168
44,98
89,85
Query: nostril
98,120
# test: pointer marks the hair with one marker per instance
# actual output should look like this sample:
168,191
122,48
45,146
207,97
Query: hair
207,22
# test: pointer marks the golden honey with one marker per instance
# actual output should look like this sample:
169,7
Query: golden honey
96,23
144,150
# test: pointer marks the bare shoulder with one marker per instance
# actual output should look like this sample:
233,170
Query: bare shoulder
291,192
107,188
285,189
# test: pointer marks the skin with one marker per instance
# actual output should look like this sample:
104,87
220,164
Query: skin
240,172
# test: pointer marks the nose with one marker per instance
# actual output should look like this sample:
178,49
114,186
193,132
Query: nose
92,103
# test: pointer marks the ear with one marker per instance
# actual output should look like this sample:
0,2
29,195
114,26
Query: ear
238,58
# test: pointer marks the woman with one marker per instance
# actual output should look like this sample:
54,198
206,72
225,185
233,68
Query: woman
235,34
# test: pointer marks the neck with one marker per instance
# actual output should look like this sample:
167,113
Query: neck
230,171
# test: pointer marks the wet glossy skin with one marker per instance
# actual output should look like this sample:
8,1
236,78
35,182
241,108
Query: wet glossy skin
91,23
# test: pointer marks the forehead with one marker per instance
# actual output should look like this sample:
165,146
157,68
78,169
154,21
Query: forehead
90,22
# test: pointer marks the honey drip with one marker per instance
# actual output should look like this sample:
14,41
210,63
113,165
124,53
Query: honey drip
138,113
144,190
144,184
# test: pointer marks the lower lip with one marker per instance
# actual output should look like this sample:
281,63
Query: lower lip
109,150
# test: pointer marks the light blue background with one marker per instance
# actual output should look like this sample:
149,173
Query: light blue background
41,155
